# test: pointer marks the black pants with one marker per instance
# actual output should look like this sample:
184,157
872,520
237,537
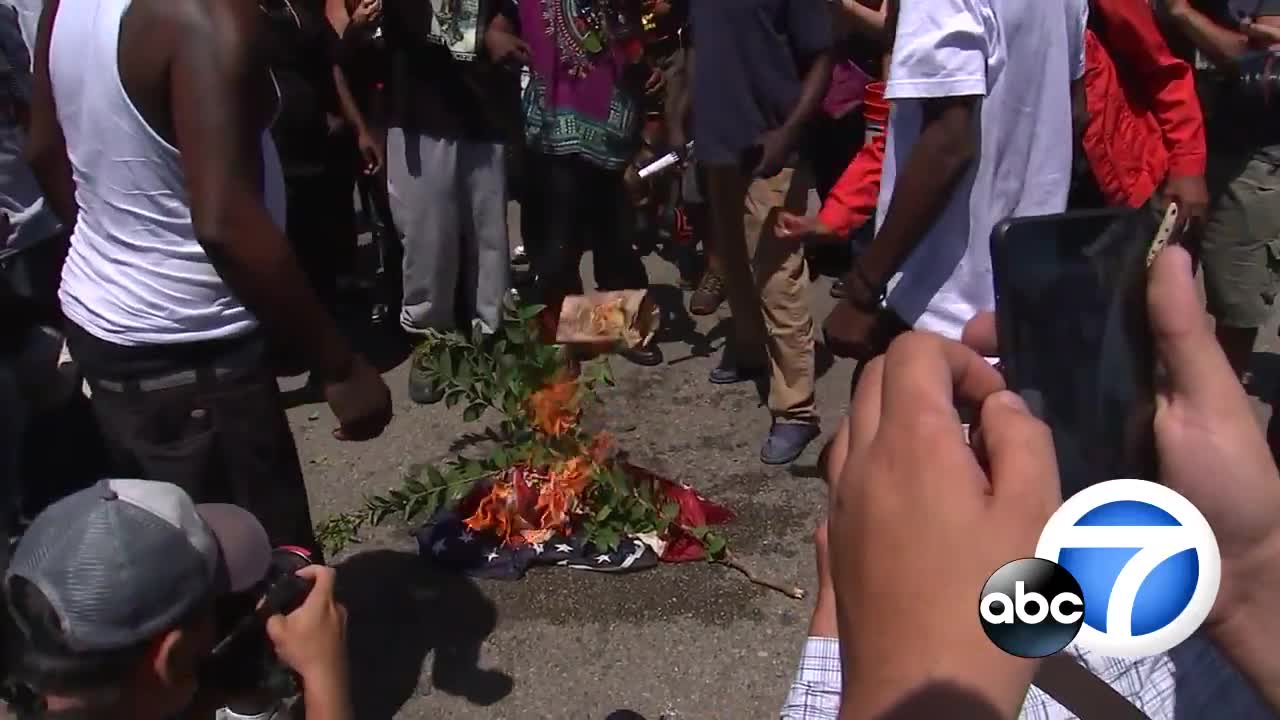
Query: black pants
572,206
223,438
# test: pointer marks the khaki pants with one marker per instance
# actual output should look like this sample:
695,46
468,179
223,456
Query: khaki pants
768,283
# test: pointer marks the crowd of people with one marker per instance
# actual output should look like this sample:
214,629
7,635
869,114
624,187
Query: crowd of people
183,184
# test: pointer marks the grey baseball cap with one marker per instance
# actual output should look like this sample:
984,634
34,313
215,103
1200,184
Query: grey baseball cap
125,560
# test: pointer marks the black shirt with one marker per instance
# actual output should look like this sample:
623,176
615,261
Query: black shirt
431,92
748,72
301,54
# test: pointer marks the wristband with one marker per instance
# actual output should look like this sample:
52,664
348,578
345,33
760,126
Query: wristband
879,293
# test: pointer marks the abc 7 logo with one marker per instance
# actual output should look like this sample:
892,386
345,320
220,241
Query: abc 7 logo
1137,570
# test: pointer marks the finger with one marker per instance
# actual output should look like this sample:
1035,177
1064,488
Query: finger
1193,360
925,376
835,453
980,334
1018,448
322,575
865,409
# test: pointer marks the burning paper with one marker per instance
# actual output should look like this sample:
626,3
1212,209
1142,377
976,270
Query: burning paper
625,319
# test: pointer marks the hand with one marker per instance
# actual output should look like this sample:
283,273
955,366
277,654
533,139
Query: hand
775,148
362,403
656,82
1176,8
916,534
505,47
799,227
1210,446
1190,193
371,152
851,332
313,639
1264,36
367,14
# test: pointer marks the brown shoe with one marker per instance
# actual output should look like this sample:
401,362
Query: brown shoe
710,293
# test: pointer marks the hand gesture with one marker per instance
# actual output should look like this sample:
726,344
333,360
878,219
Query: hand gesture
313,639
361,402
367,14
916,505
852,331
775,148
370,152
505,47
793,226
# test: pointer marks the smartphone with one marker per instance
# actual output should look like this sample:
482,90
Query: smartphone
1074,337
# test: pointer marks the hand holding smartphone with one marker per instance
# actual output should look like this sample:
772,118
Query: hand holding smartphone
1075,341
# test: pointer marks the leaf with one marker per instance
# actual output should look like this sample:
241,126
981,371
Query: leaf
473,412
473,469
445,365
434,476
670,511
529,312
453,397
607,538
714,544
603,513
500,457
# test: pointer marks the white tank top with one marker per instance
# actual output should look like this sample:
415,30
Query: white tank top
135,274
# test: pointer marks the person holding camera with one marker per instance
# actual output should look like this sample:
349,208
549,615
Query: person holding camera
112,594
962,510
1240,240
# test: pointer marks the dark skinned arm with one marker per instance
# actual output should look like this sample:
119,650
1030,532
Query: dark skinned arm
46,148
214,77
944,152
1221,44
817,77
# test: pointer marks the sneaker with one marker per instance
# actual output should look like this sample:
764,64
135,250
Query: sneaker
709,295
786,441
423,389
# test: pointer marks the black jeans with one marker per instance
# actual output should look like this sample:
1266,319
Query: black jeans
222,437
572,206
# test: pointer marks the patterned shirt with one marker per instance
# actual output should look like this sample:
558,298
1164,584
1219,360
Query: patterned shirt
1191,681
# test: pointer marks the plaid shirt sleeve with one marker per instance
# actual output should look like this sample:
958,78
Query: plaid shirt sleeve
815,692
1192,680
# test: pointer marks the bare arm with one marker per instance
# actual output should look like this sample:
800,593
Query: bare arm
46,148
339,18
213,78
1222,45
946,148
864,18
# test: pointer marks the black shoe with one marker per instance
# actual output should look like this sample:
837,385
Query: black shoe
647,356
729,373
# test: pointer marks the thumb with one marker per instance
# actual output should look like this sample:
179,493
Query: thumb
1019,448
277,629
1196,366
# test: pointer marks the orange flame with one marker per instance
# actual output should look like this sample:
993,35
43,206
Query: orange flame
554,408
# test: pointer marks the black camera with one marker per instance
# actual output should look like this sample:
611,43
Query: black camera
243,664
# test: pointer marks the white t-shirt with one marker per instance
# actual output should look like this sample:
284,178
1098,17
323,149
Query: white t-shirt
1020,57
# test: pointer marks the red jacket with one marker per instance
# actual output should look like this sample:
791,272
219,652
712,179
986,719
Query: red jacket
1143,127
1145,122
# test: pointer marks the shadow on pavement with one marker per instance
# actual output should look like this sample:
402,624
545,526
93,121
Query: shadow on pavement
400,610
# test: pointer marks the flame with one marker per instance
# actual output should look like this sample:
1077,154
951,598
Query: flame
530,505
554,408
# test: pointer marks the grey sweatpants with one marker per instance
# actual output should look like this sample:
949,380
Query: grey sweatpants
449,200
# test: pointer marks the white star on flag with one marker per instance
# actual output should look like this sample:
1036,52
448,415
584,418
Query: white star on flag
602,559
492,556
537,548
563,548
467,537
438,547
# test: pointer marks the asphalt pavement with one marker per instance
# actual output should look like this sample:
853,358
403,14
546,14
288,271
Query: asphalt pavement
687,642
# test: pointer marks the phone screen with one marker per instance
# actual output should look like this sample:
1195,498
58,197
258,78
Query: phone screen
1071,315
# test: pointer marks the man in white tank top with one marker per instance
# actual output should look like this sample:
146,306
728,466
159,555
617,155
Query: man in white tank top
149,123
